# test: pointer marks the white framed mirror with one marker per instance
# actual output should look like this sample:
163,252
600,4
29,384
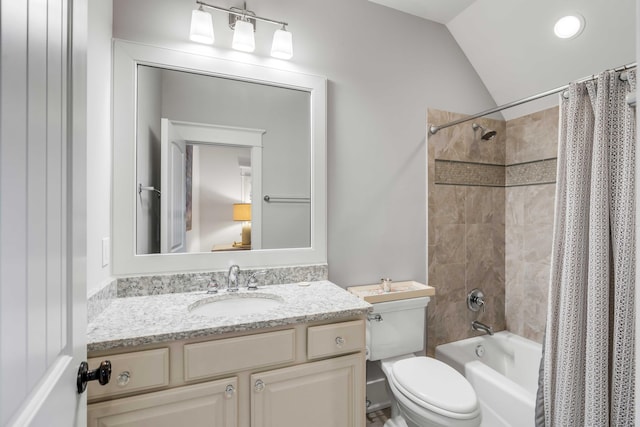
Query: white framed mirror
138,196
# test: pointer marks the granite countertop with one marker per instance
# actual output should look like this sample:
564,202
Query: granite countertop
135,321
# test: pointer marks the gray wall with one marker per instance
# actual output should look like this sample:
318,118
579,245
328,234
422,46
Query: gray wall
384,69
98,141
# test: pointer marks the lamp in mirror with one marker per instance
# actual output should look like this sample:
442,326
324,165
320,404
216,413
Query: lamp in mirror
242,212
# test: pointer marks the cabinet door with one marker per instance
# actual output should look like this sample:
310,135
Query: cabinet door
213,404
318,394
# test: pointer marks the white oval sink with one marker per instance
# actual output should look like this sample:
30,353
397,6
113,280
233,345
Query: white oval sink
235,305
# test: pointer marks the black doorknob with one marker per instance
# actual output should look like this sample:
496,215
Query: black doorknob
102,375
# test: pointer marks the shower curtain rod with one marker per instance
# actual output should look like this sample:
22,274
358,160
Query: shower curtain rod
433,129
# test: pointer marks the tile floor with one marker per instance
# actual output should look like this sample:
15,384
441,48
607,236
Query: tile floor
377,418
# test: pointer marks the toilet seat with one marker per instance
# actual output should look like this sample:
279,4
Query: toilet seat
432,384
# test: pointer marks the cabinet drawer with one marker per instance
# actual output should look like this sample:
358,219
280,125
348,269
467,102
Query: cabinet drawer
213,358
142,370
337,338
211,404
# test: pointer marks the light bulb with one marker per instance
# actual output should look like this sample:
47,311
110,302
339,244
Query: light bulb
569,26
201,27
282,46
243,38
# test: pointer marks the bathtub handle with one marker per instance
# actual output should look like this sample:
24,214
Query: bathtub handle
475,300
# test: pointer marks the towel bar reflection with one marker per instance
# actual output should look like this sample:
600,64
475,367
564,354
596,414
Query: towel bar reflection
142,188
282,199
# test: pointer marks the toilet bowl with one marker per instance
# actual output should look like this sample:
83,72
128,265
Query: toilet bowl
424,392
429,393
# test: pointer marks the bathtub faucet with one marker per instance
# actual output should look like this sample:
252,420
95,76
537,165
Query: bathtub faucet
479,326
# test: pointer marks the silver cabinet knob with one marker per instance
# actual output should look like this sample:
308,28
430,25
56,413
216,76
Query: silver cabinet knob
259,386
340,341
228,392
123,378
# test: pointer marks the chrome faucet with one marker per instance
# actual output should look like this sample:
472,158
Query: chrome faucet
479,326
232,278
252,282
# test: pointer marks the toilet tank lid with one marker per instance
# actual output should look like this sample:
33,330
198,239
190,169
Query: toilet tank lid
402,304
435,383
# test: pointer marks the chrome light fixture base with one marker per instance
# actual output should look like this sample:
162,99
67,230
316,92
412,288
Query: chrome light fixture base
242,14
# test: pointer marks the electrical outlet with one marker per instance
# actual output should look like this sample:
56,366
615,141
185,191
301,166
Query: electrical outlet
106,252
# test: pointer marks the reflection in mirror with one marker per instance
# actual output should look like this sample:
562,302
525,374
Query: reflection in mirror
214,194
207,166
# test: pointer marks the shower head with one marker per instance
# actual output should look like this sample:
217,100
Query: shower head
485,134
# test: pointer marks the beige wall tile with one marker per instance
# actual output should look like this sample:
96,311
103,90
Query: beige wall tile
494,238
449,244
448,204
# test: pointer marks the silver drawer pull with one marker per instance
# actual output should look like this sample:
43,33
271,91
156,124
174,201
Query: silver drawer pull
228,392
340,341
123,378
259,386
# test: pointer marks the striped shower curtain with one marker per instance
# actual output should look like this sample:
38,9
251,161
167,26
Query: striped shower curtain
588,362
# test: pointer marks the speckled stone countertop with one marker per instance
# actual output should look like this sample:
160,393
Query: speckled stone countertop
135,321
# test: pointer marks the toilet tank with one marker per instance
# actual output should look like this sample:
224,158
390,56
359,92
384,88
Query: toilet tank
396,328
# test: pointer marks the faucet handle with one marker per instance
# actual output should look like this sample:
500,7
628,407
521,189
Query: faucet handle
212,287
475,300
252,283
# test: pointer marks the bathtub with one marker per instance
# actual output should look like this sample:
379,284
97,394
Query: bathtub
503,370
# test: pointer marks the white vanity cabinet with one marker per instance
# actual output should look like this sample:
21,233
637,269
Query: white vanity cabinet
304,375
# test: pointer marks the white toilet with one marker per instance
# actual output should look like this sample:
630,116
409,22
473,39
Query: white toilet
426,392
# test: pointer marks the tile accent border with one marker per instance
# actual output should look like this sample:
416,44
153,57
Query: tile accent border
451,172
454,172
530,173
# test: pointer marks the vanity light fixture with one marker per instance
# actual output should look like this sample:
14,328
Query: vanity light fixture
243,23
243,38
569,26
201,26
282,46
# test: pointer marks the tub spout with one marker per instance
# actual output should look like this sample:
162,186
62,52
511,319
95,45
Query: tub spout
479,326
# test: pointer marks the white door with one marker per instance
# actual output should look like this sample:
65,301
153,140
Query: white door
173,200
42,205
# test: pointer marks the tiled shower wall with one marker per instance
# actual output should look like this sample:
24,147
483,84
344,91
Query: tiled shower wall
529,225
490,224
466,229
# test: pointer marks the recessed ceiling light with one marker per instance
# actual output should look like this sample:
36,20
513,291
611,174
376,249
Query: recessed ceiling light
569,26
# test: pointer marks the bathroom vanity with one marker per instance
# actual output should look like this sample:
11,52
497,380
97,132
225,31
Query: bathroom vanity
301,363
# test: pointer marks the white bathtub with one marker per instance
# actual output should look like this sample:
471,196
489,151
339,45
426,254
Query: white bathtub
503,370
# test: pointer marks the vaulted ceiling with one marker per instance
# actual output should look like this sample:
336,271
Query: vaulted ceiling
511,44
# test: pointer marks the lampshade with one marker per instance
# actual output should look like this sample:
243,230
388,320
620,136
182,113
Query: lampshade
201,27
282,46
243,38
242,211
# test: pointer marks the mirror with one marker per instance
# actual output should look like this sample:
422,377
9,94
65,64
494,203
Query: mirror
197,139
198,216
